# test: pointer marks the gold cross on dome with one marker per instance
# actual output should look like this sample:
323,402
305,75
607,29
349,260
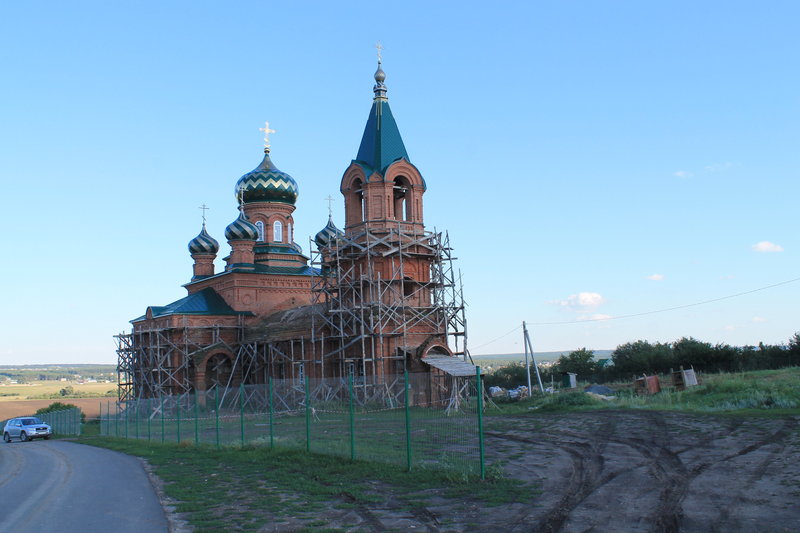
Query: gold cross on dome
379,46
266,131
240,196
204,208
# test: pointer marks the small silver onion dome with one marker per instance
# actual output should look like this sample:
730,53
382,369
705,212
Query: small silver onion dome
241,229
327,234
203,243
380,75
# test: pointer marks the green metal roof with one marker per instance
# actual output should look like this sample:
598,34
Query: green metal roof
381,144
204,302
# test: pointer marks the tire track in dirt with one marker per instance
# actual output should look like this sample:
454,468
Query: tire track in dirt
779,440
668,467
587,466
423,515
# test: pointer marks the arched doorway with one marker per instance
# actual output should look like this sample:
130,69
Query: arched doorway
218,371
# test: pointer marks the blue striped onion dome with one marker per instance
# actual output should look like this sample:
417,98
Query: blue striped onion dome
203,243
327,234
241,229
266,183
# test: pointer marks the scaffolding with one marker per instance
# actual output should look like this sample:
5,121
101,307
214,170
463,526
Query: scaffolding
368,310
381,298
157,361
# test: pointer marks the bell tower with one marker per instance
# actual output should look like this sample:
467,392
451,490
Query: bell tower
381,187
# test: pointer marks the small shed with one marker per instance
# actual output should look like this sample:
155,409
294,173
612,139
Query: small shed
569,380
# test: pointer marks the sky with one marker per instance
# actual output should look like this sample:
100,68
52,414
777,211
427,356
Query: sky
601,167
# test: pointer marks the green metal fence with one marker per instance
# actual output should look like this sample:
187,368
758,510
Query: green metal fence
420,420
64,422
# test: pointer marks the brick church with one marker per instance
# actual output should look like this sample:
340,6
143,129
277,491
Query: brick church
372,300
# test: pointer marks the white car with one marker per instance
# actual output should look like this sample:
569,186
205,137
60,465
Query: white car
26,428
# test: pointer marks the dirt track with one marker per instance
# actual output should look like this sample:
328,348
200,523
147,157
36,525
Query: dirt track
619,471
653,472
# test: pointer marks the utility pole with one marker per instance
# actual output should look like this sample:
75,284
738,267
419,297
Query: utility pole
529,346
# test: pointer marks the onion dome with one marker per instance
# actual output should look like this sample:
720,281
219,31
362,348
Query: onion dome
266,183
327,234
203,243
241,229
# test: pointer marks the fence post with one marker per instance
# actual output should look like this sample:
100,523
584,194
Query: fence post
163,422
480,421
126,422
352,420
100,416
408,421
216,411
196,421
178,418
136,419
271,429
116,419
308,419
149,418
241,409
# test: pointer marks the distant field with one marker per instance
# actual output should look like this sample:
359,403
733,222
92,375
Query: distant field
39,388
89,406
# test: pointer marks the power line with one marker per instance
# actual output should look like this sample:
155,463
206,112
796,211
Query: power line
606,319
498,338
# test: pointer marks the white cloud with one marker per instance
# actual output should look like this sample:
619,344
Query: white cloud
655,277
682,174
767,247
583,301
758,319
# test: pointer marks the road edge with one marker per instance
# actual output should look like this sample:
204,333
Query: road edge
174,520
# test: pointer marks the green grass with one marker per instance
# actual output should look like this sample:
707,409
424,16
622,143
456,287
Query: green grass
238,488
759,392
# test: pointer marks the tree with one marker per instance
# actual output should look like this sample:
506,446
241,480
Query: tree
67,391
794,349
58,406
580,362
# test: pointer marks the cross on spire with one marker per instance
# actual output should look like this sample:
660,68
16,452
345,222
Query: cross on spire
240,196
204,208
266,131
379,46
329,199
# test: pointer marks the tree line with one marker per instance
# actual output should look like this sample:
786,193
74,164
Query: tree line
643,357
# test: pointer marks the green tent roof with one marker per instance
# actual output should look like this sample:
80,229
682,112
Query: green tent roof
381,144
204,302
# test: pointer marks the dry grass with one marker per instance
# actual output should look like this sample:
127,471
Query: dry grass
30,391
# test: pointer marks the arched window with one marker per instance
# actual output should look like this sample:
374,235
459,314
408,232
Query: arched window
260,226
277,231
357,200
402,207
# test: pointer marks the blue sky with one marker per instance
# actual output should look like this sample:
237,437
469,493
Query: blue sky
589,159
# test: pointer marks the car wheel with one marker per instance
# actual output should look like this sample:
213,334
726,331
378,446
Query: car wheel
23,436
47,437
6,437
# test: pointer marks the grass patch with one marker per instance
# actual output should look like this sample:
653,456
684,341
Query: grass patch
765,392
240,487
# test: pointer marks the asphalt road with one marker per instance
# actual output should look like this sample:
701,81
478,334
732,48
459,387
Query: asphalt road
72,488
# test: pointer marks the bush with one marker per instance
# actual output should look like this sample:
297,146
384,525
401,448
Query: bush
58,406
